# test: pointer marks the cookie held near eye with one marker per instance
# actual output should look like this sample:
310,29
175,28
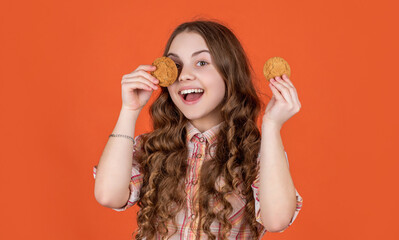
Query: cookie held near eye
166,71
276,66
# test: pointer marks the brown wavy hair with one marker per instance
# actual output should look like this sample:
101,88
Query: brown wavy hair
163,153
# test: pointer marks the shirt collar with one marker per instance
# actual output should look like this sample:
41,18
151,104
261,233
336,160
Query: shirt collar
210,134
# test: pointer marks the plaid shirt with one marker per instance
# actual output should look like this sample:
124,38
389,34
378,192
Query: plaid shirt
198,143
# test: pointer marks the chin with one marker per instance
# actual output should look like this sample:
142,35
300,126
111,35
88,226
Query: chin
192,116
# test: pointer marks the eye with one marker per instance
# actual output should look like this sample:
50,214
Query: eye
177,65
203,63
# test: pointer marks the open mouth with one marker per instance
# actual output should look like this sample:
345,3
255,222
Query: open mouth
192,97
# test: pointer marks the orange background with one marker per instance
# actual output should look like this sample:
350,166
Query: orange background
61,67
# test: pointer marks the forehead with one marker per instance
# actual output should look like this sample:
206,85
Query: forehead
186,43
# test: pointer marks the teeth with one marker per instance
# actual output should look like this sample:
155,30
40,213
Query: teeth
191,91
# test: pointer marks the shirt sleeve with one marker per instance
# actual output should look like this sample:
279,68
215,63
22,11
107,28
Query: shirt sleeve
136,180
255,188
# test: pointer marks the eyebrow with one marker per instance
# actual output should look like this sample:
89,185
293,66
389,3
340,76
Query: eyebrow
192,55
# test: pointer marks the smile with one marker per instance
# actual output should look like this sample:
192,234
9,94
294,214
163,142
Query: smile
191,98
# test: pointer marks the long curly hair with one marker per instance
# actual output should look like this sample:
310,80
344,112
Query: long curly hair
163,153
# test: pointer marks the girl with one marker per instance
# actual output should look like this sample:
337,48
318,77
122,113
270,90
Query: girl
203,172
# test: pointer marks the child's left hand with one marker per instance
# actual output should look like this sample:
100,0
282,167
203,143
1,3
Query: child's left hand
284,103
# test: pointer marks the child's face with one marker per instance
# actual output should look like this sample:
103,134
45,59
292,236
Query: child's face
197,71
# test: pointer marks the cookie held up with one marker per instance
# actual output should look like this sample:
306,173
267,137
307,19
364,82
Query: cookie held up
166,71
276,67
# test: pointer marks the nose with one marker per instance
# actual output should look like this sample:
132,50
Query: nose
185,74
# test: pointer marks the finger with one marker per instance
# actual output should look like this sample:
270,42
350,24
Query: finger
139,72
143,74
284,91
276,93
295,93
146,68
288,86
129,84
138,85
285,78
281,81
140,79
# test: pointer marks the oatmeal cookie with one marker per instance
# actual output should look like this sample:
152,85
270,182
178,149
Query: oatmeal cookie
276,66
166,71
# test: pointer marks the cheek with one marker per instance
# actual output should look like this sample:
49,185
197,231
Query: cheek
174,97
222,88
170,89
222,93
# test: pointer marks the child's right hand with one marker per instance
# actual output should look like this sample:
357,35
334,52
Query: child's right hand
137,87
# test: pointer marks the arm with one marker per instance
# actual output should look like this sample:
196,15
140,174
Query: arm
276,191
114,168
